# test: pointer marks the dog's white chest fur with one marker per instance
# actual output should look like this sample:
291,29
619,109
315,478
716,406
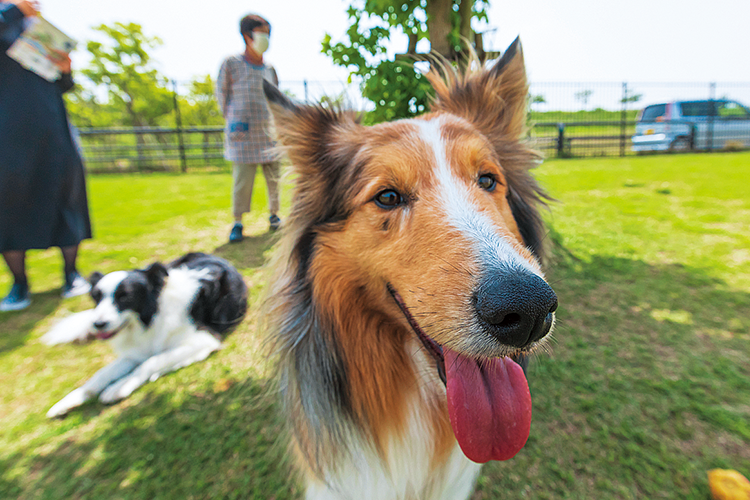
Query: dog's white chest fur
405,476
408,473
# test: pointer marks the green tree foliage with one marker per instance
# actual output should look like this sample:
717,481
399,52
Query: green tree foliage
86,111
120,87
199,108
584,96
630,96
123,66
397,89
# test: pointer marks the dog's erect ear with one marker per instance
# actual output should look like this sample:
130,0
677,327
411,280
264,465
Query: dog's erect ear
94,278
494,100
276,97
313,137
508,57
155,274
321,143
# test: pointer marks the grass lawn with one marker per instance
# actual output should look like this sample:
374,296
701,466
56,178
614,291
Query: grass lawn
646,388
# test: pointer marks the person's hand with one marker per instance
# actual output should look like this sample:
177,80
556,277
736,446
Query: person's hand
61,59
28,8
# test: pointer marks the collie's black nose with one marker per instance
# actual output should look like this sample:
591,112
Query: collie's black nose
100,325
515,306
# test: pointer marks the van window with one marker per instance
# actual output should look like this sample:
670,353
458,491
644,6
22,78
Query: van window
651,113
695,108
732,110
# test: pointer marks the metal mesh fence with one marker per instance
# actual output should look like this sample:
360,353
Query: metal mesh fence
566,119
577,119
599,119
142,149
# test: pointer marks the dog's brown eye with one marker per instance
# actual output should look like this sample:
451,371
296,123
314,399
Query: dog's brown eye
487,182
388,198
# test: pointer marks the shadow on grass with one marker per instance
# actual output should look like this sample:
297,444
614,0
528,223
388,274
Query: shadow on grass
251,252
210,444
221,443
646,388
15,327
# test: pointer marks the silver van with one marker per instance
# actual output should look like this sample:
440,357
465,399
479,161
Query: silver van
687,125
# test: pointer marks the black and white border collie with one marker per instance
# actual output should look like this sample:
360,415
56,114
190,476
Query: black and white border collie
157,320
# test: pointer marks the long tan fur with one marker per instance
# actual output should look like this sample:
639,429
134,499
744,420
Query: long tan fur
352,374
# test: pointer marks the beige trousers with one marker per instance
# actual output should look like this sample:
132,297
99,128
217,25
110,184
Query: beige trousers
243,175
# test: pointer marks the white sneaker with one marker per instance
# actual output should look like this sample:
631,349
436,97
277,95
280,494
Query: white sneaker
78,286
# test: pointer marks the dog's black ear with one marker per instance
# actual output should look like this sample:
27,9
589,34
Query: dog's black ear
277,97
155,274
94,278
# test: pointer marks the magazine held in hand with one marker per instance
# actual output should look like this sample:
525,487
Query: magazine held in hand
34,48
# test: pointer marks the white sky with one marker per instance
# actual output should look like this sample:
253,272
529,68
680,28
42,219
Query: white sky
564,40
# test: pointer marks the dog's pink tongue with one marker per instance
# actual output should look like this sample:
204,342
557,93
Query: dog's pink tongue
489,406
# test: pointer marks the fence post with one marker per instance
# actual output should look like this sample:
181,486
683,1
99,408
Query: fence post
560,140
711,114
693,135
178,121
623,117
139,146
304,83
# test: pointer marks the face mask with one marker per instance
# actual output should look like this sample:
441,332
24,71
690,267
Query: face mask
260,42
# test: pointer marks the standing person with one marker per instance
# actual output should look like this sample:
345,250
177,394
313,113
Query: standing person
239,90
42,185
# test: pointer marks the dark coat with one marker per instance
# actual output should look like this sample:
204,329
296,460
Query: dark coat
42,185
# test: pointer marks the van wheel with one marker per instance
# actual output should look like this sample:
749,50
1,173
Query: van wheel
680,144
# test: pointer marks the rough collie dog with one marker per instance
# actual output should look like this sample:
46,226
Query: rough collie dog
157,320
410,289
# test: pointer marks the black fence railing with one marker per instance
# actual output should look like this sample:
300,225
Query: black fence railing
573,119
589,138
179,150
566,119
142,149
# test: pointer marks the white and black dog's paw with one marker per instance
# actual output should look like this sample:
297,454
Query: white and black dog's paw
73,400
120,390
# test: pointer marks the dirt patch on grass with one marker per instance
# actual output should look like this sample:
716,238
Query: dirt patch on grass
704,438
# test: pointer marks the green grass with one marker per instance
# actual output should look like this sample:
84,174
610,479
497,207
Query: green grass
647,386
592,115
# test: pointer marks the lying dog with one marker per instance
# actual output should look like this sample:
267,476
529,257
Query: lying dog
409,289
157,320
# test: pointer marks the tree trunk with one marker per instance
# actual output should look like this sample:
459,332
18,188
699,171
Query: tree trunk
464,28
439,26
412,49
